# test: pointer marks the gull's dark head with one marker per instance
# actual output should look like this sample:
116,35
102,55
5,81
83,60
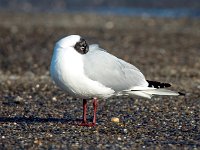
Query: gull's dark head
81,46
73,41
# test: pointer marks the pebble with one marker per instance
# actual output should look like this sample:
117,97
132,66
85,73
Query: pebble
119,138
18,99
39,142
37,86
54,98
115,119
125,131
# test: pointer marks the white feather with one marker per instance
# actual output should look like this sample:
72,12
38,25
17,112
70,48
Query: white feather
161,92
148,92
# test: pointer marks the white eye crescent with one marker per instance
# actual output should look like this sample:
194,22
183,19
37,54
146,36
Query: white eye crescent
82,48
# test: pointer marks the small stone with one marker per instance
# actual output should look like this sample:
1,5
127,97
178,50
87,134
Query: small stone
18,99
119,139
37,86
115,119
125,131
49,135
38,142
54,98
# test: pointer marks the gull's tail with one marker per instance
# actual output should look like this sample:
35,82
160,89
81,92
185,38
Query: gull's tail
154,88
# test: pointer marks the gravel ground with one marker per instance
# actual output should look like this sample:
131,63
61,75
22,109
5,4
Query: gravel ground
35,114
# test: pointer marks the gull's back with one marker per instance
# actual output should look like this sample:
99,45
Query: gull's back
111,71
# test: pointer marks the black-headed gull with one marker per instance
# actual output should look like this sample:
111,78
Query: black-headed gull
88,71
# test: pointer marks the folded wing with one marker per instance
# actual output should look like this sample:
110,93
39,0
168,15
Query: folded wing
111,71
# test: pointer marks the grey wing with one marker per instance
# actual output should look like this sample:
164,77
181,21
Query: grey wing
111,71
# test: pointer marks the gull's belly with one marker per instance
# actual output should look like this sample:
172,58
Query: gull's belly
81,86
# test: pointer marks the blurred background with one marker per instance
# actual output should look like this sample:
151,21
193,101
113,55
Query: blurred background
31,27
161,8
160,37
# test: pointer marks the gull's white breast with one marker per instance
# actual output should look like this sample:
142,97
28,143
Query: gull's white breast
67,71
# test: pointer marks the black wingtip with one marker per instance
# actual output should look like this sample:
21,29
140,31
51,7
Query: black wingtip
181,94
156,84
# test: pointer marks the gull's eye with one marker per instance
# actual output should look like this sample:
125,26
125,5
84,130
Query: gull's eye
82,46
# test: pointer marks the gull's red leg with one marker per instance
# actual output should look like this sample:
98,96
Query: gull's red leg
95,110
84,110
84,122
